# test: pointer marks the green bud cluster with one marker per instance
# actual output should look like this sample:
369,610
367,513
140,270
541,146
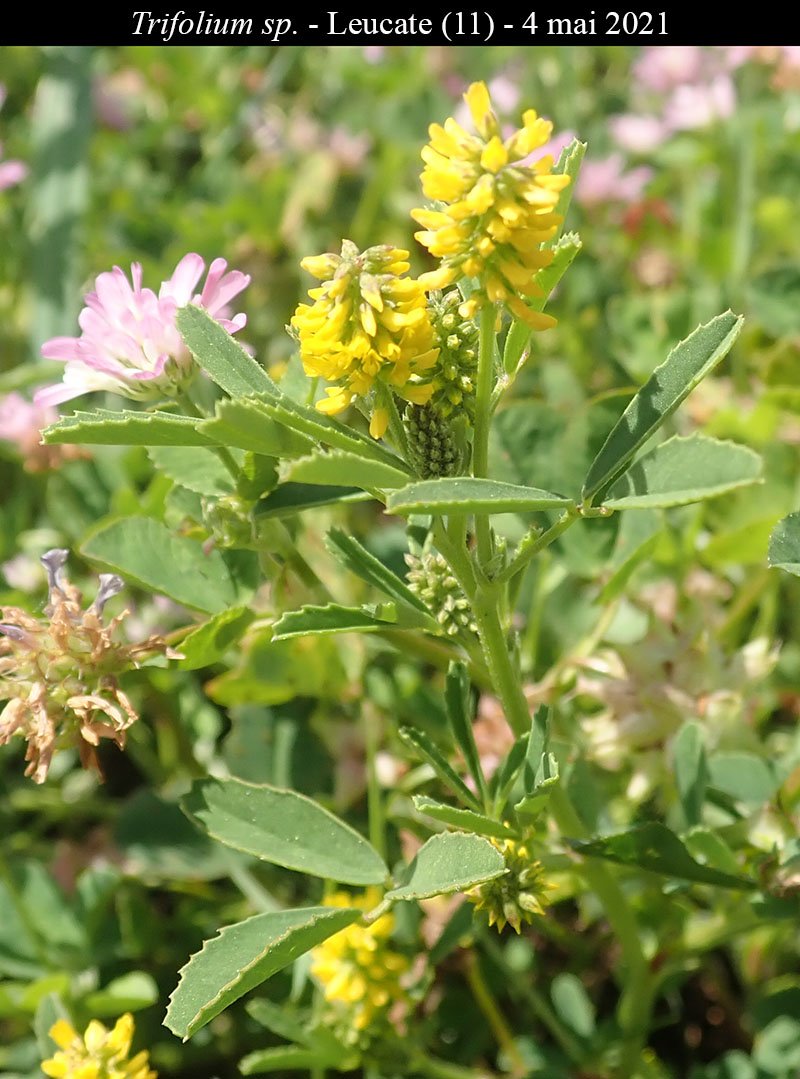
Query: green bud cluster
432,444
519,895
457,365
430,578
229,520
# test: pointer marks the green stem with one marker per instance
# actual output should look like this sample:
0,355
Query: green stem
222,452
637,995
483,415
530,642
636,1001
540,1006
533,543
377,819
494,1017
498,660
456,555
439,1069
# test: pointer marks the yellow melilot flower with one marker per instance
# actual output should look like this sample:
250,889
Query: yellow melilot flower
356,968
99,1054
496,213
368,323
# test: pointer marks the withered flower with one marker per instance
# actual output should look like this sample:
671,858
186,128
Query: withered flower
59,674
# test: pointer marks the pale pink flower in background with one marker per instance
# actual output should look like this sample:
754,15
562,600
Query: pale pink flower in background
638,134
374,54
691,107
11,172
350,150
21,424
21,421
505,93
130,342
605,180
118,97
663,67
736,55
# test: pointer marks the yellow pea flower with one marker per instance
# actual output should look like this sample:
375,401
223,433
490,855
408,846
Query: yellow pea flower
356,968
498,209
368,325
98,1054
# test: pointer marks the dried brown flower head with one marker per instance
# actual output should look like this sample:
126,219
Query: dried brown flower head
59,674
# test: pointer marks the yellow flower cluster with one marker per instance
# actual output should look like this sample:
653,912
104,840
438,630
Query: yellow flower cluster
497,211
519,895
368,323
356,968
99,1054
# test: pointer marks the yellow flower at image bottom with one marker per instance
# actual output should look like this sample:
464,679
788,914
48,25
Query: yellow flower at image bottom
357,968
98,1054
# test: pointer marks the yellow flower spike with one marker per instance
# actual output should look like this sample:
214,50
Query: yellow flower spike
498,211
368,326
99,1054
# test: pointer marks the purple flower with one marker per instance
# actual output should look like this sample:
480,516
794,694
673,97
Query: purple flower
129,342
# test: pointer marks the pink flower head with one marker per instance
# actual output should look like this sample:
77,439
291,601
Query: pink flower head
696,106
638,134
11,172
21,422
129,342
605,180
663,67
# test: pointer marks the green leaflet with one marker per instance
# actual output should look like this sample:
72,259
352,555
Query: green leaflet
144,551
449,862
245,423
355,557
285,828
333,618
468,495
686,365
333,467
683,470
654,847
784,545
465,819
107,428
290,498
220,356
196,468
244,955
691,771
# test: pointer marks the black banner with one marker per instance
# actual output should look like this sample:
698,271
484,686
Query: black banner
416,23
